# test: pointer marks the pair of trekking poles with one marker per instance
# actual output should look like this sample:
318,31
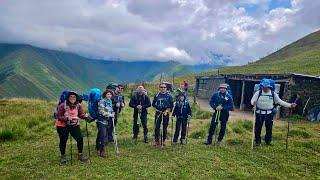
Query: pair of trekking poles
172,126
161,130
254,124
138,124
87,134
216,121
288,125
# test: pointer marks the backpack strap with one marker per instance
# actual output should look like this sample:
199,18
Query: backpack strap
272,94
66,107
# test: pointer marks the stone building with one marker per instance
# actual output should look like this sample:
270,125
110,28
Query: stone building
242,88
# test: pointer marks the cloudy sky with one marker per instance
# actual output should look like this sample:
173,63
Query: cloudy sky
188,31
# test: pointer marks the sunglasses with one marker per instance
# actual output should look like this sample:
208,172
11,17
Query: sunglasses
163,87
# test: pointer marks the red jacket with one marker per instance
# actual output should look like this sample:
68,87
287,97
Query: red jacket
75,112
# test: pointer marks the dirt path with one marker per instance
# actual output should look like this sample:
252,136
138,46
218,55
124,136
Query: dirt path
234,115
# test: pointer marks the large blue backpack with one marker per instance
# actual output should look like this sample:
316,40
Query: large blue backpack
62,99
271,84
93,97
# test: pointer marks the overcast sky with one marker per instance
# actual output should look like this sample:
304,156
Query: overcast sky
188,31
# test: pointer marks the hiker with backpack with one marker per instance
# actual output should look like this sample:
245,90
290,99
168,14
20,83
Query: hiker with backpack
265,101
93,98
140,102
118,104
68,115
221,102
103,122
163,103
182,111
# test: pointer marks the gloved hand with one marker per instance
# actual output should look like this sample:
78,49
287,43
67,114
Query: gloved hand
89,119
111,115
105,114
253,109
219,108
293,105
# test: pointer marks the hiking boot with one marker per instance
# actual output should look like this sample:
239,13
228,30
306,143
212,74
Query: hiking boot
207,142
156,143
145,140
135,139
63,159
174,143
82,158
269,144
102,153
218,143
183,141
258,144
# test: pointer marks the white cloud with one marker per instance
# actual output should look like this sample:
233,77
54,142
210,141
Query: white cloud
181,30
172,53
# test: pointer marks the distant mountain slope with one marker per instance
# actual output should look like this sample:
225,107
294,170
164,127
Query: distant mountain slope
27,71
301,56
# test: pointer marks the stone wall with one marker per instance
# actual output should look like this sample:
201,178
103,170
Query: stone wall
305,87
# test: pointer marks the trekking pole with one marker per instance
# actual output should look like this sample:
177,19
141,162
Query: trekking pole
253,125
161,131
115,137
217,124
288,127
70,148
172,130
88,141
136,139
154,126
304,108
172,124
188,121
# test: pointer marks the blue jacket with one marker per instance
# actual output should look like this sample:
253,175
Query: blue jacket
182,109
225,100
105,110
117,98
162,101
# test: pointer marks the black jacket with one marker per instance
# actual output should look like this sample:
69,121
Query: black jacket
142,100
182,110
162,101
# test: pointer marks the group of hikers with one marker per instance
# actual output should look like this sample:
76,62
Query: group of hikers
105,107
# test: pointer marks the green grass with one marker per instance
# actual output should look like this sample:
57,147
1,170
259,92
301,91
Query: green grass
32,152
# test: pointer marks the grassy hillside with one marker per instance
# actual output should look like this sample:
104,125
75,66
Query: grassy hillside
29,150
302,56
27,71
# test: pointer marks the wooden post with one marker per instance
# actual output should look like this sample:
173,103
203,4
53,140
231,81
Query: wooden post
242,96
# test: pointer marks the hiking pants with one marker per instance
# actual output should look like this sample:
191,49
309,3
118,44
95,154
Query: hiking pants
224,116
268,120
143,118
180,124
110,128
63,133
165,120
102,136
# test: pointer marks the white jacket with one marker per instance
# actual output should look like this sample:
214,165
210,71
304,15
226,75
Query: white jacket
265,102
